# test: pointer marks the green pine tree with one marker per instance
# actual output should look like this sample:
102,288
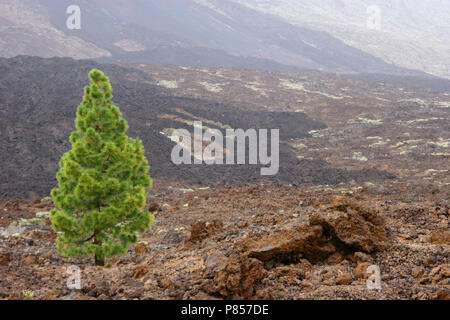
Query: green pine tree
102,181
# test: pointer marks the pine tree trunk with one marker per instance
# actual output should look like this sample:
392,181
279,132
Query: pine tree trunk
99,262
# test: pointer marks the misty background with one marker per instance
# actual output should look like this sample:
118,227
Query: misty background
346,36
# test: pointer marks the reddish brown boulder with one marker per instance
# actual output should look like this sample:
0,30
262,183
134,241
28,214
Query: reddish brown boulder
344,280
240,276
202,230
440,237
360,270
291,245
42,235
31,260
332,235
355,227
296,271
5,258
154,207
165,282
140,248
443,294
139,272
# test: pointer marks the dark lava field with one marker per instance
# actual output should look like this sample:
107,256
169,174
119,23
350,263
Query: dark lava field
39,98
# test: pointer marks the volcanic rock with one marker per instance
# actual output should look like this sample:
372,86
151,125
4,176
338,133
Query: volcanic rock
329,235
140,248
360,270
5,258
139,272
354,226
440,237
201,230
240,276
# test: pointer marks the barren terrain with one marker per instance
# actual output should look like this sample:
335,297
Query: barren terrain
372,189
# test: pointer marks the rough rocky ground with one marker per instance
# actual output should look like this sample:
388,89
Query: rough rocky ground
252,242
261,239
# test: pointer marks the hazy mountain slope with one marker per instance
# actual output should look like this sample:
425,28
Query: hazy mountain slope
242,31
25,29
189,32
120,28
414,34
